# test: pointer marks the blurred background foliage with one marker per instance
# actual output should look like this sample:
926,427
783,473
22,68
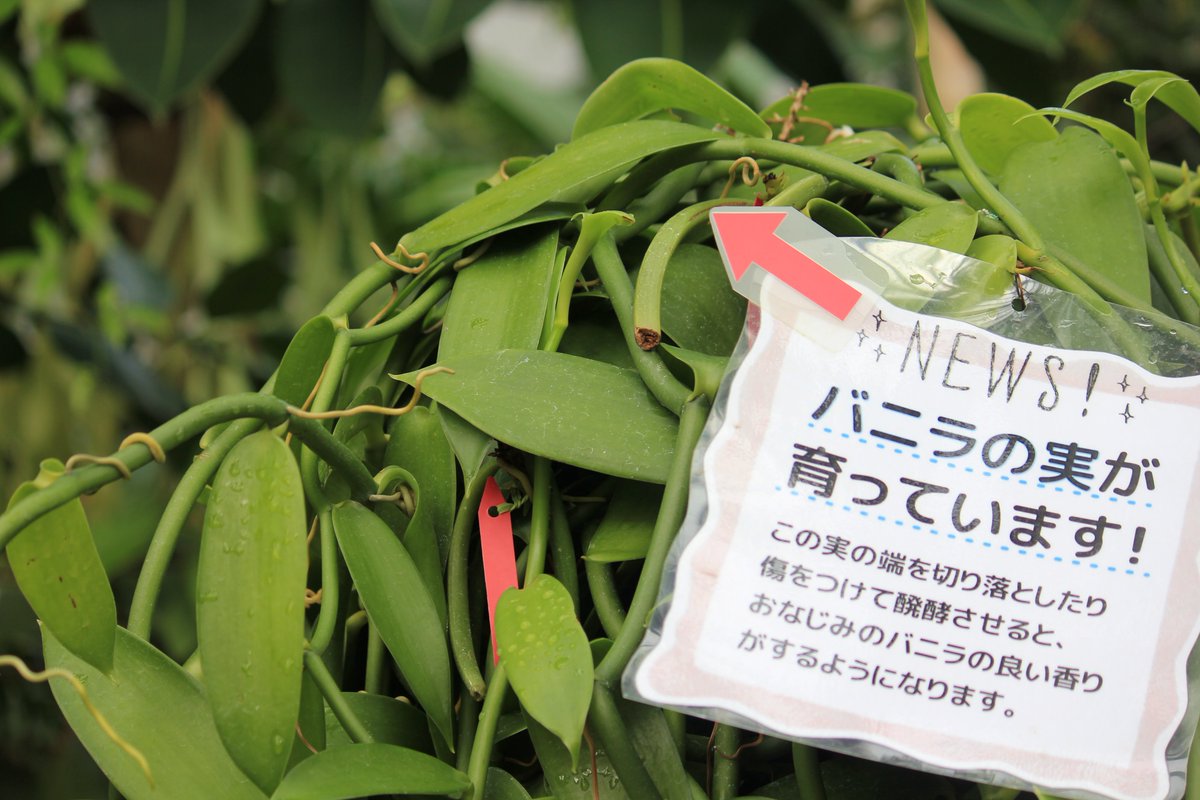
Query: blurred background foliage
184,182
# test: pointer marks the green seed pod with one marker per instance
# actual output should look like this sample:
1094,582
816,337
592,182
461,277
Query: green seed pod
250,604
59,571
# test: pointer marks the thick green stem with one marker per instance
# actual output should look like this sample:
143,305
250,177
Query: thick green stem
468,722
327,615
605,722
175,432
562,549
605,599
373,682
591,230
410,316
662,384
647,295
462,645
670,516
725,764
808,772
664,196
485,732
331,379
174,517
539,521
950,134
333,696
815,159
169,435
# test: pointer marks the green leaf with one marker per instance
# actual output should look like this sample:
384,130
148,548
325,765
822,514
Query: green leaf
653,84
310,723
162,711
304,360
950,226
502,786
616,32
339,89
863,145
1039,25
546,655
165,49
836,219
359,770
996,249
250,603
58,569
500,301
858,105
993,125
1180,96
562,407
417,443
423,30
568,782
1075,192
700,309
624,532
391,590
574,172
385,718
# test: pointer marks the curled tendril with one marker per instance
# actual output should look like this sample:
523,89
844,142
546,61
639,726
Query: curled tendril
373,409
467,261
751,173
381,313
422,259
156,449
107,461
54,672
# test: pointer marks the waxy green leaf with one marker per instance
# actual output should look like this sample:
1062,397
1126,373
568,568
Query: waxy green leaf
339,91
387,719
573,173
304,360
359,770
1075,192
836,219
652,84
423,30
546,655
502,786
993,125
562,407
500,300
58,570
1178,95
858,105
950,226
624,531
391,590
250,603
568,782
700,309
166,49
163,712
417,443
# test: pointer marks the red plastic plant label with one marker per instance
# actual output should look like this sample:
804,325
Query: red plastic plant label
496,542
972,551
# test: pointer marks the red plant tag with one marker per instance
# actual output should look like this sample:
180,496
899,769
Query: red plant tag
499,559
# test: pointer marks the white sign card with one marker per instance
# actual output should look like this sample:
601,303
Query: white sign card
973,551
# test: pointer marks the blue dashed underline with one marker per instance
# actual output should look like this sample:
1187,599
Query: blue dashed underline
984,472
965,539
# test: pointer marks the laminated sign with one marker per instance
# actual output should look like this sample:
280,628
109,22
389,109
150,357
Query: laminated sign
938,524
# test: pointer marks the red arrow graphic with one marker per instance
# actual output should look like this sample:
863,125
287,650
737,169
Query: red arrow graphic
748,237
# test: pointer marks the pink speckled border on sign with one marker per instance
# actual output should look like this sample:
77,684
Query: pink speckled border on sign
670,674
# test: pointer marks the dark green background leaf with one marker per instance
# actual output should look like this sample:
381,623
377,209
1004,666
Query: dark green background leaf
166,48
